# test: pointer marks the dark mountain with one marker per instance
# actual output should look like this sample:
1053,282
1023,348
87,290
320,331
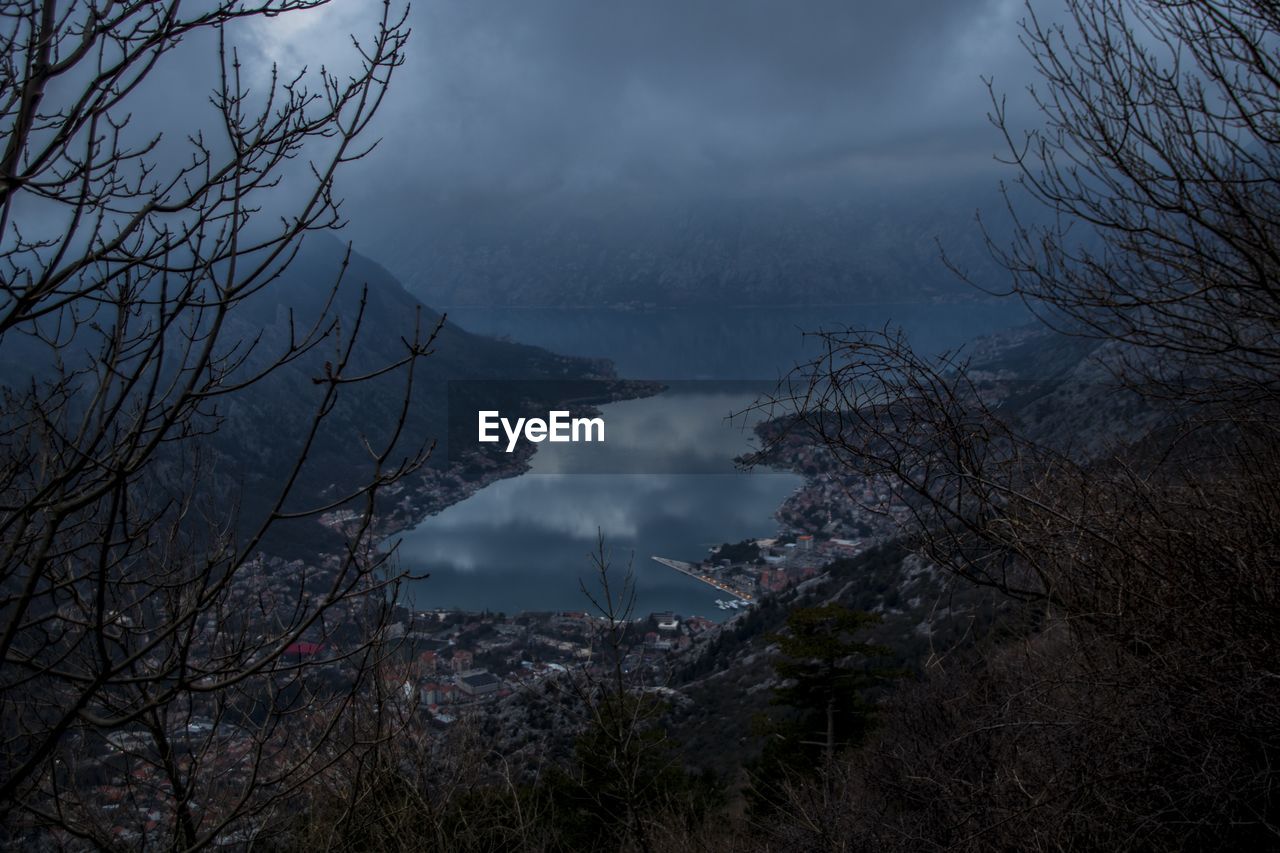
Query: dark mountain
263,427
723,252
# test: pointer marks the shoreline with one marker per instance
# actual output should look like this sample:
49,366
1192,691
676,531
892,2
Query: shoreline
445,487
771,526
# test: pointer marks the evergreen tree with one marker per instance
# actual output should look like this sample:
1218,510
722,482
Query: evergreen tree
825,671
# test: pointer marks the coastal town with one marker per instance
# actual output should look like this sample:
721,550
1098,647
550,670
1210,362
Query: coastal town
446,667
452,662
456,662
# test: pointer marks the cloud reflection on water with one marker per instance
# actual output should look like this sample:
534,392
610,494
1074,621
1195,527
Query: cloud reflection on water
524,542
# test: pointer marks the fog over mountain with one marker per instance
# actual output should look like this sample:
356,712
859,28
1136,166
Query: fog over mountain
883,247
516,134
673,152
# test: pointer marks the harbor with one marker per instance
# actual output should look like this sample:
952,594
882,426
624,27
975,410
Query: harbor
692,570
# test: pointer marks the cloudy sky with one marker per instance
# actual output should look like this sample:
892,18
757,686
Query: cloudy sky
554,98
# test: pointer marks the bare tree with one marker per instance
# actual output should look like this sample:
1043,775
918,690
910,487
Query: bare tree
602,777
620,749
1141,514
163,683
1158,159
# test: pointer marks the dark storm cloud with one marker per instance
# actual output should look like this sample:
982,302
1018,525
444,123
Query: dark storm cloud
510,100
512,97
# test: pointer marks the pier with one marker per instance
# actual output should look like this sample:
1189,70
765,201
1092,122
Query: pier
690,569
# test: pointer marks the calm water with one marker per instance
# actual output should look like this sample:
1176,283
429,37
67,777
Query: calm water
524,543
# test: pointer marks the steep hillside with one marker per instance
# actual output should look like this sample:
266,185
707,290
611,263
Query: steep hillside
1054,388
263,427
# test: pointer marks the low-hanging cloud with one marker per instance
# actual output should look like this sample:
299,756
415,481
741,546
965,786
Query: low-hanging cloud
509,98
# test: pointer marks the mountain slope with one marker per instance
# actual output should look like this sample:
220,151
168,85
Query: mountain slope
726,252
263,427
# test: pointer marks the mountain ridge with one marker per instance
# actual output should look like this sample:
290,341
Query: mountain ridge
740,252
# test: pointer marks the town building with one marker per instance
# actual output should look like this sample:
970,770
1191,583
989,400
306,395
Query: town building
479,682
